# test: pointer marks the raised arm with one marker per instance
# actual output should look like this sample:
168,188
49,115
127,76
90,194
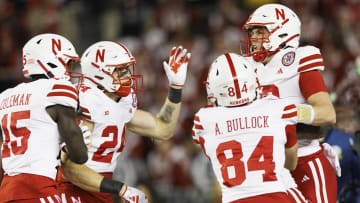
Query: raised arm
162,126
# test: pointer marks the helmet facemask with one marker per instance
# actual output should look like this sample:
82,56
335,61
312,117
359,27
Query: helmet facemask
257,47
125,80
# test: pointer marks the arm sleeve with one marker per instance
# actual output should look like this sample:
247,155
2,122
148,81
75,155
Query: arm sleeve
311,82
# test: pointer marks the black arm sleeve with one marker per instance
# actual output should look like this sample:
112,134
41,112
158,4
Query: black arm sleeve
65,117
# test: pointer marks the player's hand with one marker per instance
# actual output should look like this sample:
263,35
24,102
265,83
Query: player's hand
176,69
86,134
333,158
63,154
133,195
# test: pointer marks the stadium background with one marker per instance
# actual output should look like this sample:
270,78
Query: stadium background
176,170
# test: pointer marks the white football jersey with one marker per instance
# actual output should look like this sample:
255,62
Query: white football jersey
31,139
109,118
282,74
246,145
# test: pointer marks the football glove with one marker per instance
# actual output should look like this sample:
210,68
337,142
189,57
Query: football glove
333,158
86,134
176,69
133,195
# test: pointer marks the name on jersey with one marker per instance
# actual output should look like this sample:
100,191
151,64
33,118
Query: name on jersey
245,123
15,100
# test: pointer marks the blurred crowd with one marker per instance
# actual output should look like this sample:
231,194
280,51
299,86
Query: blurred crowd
176,170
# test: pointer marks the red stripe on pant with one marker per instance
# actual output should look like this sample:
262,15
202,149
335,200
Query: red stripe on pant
316,179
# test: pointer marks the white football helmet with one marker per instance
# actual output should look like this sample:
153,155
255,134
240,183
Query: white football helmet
102,59
231,80
283,25
51,55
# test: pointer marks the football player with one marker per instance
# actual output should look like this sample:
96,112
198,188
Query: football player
248,140
35,117
293,72
109,107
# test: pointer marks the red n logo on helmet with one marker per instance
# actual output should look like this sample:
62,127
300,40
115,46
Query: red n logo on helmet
100,55
282,13
56,44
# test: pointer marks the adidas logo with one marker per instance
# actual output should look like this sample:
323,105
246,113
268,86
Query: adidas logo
280,71
305,178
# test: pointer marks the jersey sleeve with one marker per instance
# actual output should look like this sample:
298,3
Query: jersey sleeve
289,114
62,93
309,59
130,102
198,129
311,82
198,132
87,102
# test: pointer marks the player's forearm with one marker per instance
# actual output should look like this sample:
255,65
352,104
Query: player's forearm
291,157
87,179
167,119
323,109
170,112
81,176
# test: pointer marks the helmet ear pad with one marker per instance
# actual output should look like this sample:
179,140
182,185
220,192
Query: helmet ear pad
232,80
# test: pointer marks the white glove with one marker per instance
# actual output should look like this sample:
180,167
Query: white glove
333,158
133,195
305,113
177,68
86,134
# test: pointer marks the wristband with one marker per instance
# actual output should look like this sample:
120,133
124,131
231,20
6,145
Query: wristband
305,113
174,95
110,186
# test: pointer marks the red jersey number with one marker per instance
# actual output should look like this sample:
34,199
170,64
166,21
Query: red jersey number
262,149
99,154
22,133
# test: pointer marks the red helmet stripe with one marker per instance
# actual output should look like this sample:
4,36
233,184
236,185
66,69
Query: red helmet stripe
43,67
233,73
